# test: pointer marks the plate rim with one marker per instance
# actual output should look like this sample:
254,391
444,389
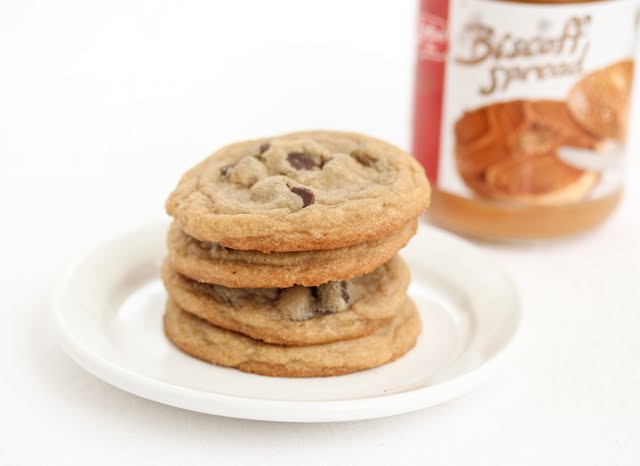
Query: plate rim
306,411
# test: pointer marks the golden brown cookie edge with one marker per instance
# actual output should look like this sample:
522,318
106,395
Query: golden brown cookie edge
405,335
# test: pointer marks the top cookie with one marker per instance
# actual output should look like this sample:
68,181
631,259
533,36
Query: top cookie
300,192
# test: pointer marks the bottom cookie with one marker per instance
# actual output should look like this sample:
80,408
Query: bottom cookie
226,348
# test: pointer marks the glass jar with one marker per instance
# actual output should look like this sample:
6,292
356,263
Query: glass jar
521,111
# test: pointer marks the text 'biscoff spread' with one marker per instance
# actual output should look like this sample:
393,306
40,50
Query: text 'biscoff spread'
521,113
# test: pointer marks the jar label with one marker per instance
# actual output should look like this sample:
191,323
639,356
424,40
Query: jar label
524,102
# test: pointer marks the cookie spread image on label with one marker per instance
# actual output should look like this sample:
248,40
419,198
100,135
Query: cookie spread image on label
509,151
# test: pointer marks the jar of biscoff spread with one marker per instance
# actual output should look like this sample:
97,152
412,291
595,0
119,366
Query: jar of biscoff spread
521,112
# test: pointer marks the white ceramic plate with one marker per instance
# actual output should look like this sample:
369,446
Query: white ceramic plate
108,312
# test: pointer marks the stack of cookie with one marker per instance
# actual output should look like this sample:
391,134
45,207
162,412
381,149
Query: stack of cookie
282,256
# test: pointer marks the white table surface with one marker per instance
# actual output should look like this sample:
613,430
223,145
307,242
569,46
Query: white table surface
102,106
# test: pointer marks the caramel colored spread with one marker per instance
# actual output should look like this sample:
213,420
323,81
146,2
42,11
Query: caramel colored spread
494,221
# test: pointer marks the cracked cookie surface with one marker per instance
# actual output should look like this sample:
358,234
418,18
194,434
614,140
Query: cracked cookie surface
200,339
300,192
211,263
297,315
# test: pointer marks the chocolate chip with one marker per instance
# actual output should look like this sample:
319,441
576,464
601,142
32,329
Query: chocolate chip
343,291
224,171
307,195
206,245
300,161
264,147
314,292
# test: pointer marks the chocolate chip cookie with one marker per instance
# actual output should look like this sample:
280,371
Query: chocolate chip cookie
199,338
302,191
209,262
297,315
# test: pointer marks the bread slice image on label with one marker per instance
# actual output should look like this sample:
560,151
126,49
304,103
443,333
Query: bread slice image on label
599,102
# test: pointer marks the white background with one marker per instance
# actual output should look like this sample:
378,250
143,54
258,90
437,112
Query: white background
103,105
